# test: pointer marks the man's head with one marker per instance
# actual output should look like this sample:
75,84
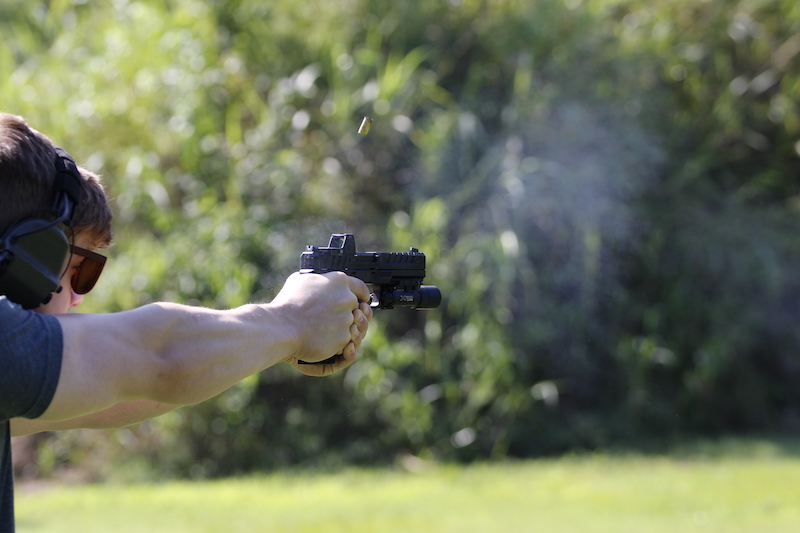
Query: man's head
27,177
30,168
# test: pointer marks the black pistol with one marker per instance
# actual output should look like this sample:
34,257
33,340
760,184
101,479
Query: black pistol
395,278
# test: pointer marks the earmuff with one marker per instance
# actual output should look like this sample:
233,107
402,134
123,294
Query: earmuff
34,250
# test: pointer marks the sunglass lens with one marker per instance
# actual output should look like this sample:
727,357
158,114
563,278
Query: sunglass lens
86,276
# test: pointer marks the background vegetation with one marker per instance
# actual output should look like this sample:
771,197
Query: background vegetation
606,191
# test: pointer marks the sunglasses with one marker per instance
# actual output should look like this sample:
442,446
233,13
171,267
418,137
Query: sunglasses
87,273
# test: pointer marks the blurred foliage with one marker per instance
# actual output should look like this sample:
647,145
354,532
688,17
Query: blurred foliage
605,190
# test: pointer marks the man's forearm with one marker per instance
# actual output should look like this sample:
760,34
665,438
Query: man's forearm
198,353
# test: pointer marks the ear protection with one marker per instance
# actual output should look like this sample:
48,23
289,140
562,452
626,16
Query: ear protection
34,250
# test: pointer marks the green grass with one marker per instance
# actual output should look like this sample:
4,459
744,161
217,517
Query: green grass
750,489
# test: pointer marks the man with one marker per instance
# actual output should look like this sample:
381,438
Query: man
60,371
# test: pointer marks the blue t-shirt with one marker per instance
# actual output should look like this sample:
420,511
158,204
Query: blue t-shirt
31,346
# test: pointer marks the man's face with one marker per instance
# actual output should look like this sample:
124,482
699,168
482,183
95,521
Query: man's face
63,301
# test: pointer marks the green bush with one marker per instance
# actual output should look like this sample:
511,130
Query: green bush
604,190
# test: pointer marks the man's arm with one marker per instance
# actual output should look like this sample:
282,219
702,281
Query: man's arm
178,355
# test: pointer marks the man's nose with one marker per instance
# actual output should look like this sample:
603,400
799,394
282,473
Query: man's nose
77,299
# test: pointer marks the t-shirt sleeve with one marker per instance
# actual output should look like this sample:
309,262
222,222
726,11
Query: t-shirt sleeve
31,346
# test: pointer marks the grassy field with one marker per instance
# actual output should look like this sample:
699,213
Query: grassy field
753,487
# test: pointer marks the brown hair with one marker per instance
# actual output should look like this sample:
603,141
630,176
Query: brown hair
27,175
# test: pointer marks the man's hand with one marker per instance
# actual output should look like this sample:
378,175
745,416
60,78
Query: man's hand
358,330
330,315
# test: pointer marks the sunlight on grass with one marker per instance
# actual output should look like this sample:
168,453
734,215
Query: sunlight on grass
717,492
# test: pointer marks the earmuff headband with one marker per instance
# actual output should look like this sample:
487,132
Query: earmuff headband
67,186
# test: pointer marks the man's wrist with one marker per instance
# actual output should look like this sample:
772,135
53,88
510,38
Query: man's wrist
275,332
